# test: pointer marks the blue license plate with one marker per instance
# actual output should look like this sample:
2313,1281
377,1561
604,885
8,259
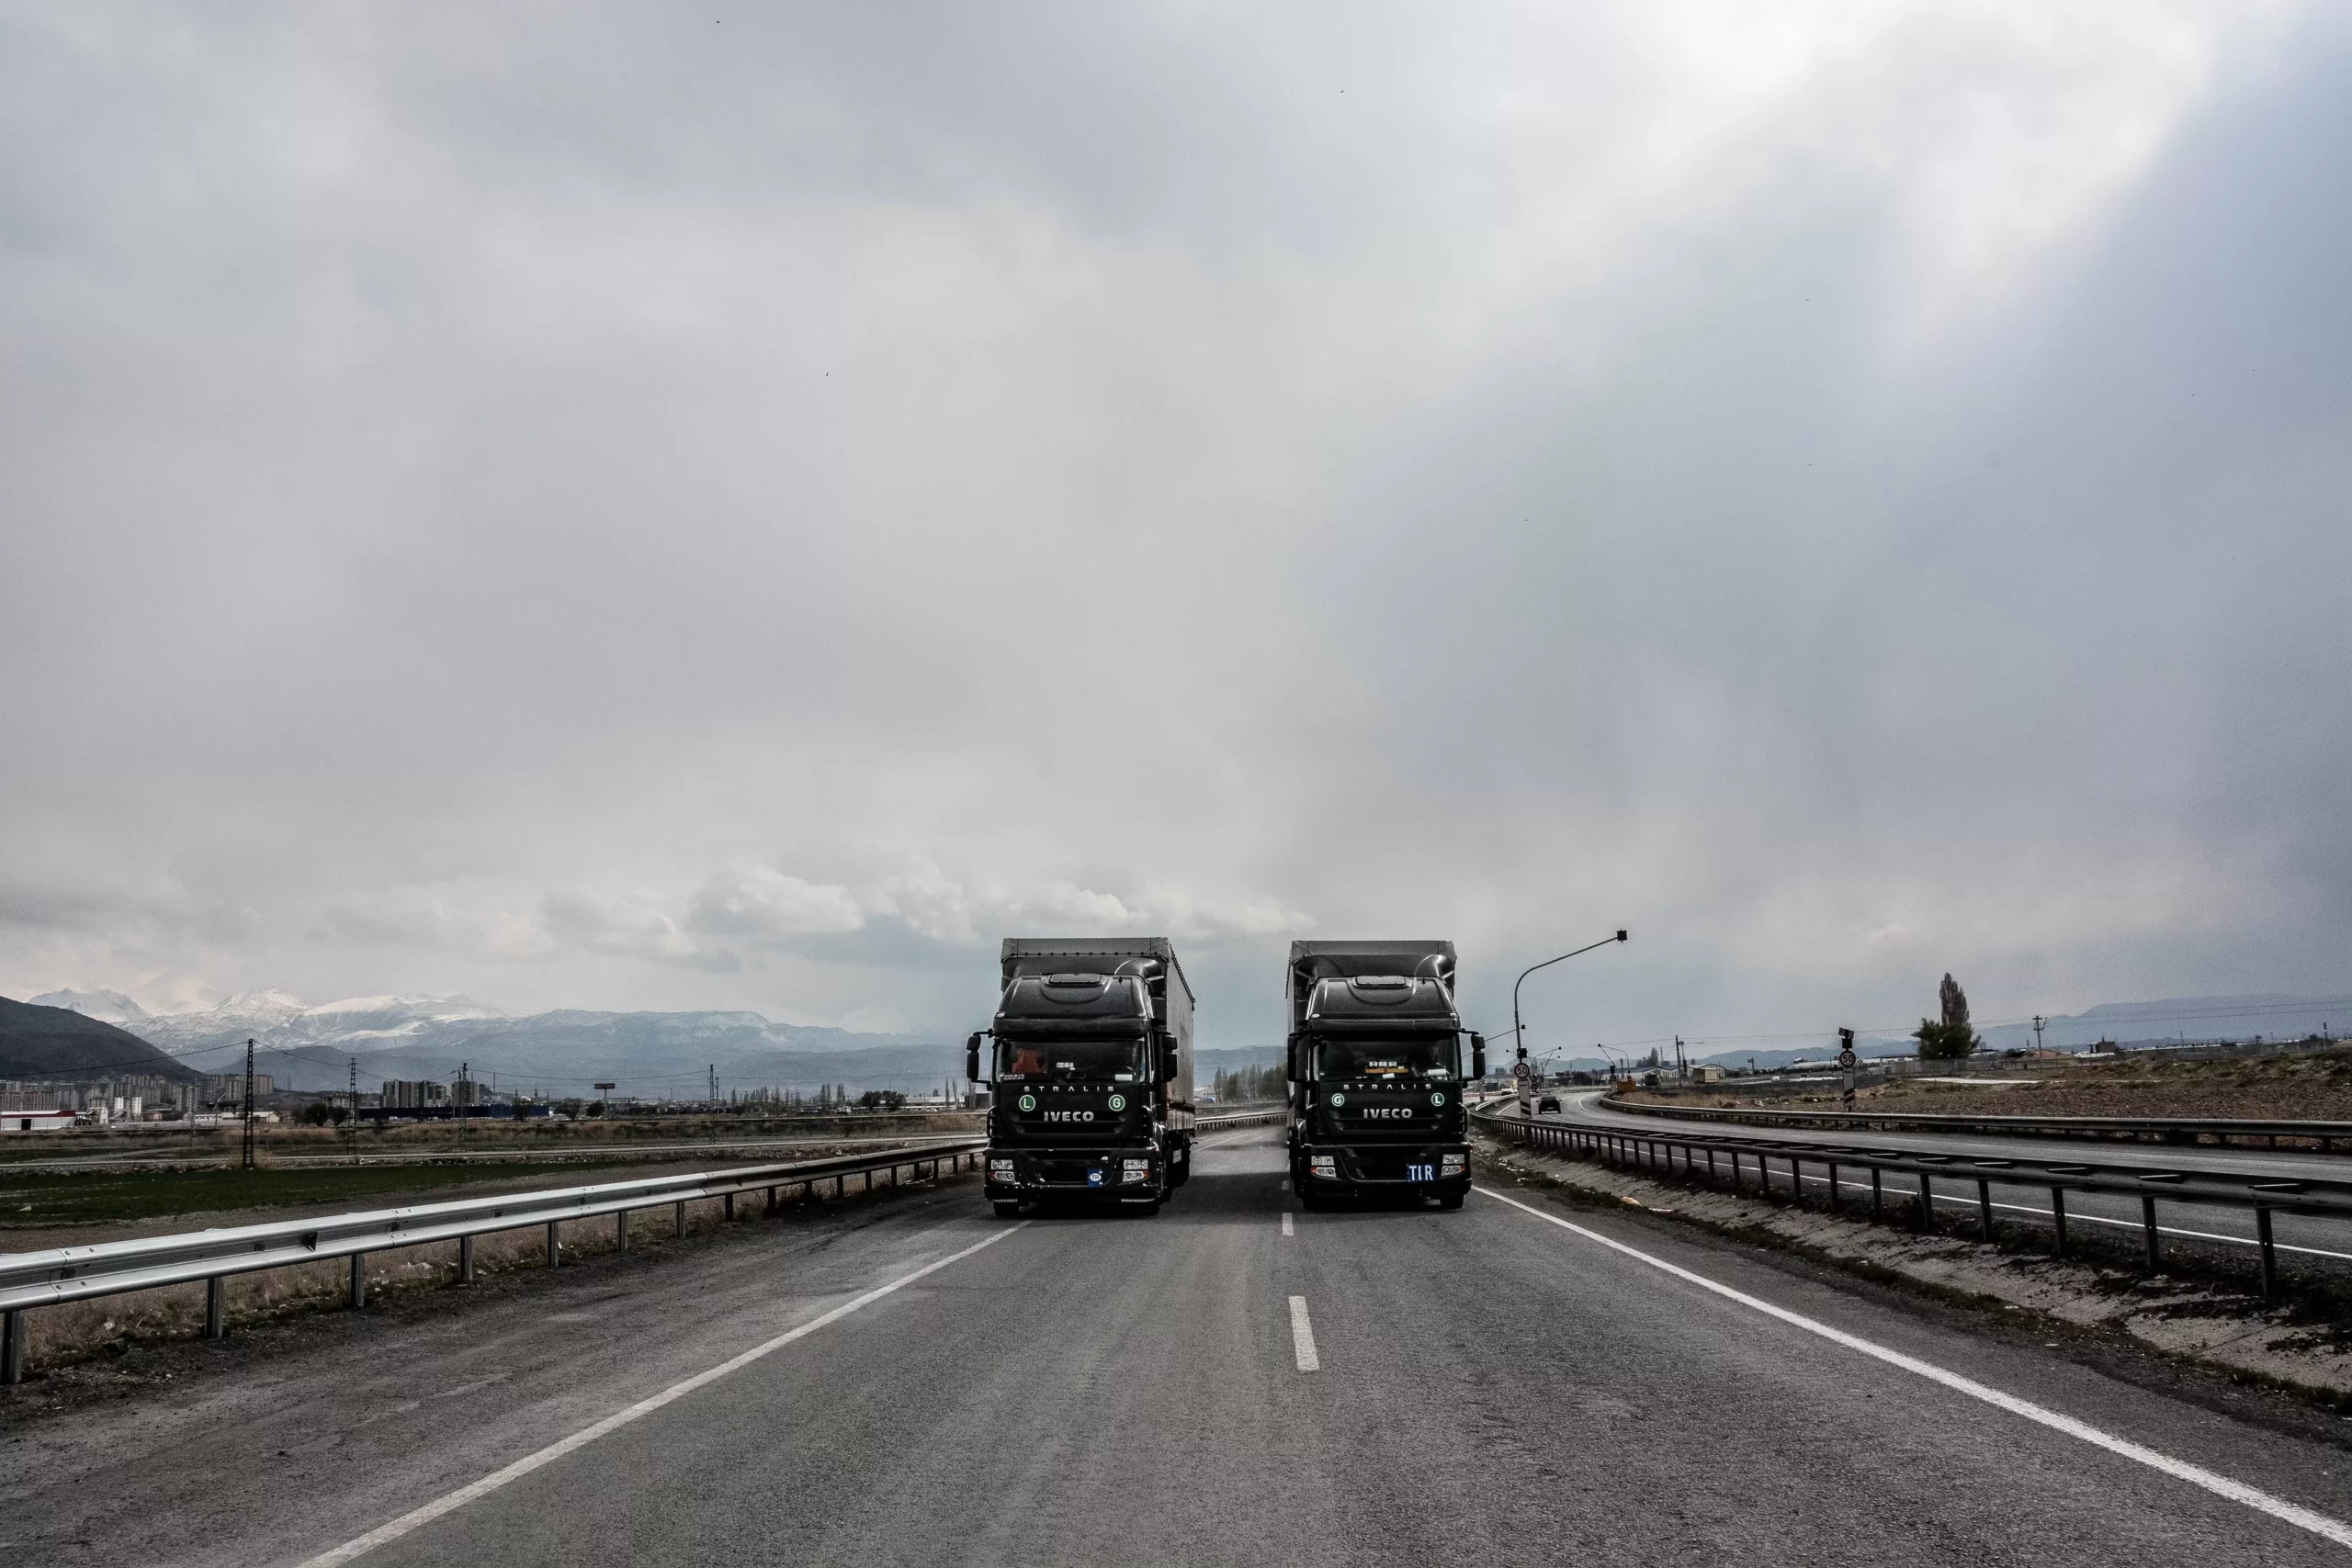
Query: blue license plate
1421,1173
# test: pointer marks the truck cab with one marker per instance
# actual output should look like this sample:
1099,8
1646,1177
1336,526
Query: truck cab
1377,1075
1089,1054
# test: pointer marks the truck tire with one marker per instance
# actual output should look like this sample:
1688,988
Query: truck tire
1006,1208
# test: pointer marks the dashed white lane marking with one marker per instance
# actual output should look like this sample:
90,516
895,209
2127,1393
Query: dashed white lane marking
2318,1524
1286,1229
384,1534
1302,1336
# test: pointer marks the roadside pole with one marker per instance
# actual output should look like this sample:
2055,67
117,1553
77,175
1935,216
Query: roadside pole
1849,1064
249,1106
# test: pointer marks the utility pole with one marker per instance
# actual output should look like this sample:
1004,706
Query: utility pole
355,1110
1681,1067
465,1096
249,1105
2037,1036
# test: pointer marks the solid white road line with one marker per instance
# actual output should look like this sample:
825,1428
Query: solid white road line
1286,1229
2319,1524
1302,1336
383,1534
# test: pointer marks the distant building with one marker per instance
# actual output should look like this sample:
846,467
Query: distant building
1706,1072
228,1088
413,1094
50,1119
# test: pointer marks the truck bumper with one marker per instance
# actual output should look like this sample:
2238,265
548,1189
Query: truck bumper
1116,1172
1435,1170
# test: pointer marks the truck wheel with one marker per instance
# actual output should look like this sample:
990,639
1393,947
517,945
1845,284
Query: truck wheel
1006,1208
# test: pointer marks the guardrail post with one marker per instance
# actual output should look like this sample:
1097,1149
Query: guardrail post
1927,1203
2269,1253
681,1220
555,1245
12,1346
465,1261
621,1230
2148,1229
1984,1207
1833,1185
215,1308
728,1212
841,1185
771,1201
1711,1166
1878,1206
2058,1217
358,1279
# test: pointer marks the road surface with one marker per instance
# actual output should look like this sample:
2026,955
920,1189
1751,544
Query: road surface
1235,1382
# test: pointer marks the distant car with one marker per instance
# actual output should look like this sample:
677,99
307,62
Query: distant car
1549,1102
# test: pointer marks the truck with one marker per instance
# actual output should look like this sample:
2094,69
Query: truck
1375,1070
1090,1060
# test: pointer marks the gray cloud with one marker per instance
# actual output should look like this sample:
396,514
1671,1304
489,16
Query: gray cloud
640,510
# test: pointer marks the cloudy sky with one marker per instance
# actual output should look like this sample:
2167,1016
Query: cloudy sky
637,507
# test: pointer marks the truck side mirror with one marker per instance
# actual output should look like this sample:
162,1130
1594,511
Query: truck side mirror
1478,1056
1168,1066
972,1059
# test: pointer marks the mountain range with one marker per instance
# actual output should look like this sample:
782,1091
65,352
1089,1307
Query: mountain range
655,1055
39,1041
567,1052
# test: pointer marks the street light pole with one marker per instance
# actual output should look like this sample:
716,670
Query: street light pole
1519,1037
1520,1072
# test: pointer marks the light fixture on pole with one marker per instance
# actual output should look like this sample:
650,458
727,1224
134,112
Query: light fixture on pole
1518,1034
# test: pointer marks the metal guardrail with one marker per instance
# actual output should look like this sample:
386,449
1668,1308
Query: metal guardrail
2170,1130
1241,1119
63,1274
1656,1153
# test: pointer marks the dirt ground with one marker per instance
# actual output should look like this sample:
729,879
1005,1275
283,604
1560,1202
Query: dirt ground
2312,1087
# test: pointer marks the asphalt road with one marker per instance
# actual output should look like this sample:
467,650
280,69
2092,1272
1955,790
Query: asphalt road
1487,1385
2325,1241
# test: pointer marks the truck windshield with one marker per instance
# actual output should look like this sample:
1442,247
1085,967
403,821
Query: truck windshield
1415,1056
1121,1061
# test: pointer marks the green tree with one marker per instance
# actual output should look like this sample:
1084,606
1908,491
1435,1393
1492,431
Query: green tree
1953,1037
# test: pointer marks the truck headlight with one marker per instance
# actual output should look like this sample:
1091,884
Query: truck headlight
1323,1165
1453,1165
1000,1169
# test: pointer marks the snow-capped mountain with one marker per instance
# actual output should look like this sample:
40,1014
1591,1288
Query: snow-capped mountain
106,1006
566,1051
